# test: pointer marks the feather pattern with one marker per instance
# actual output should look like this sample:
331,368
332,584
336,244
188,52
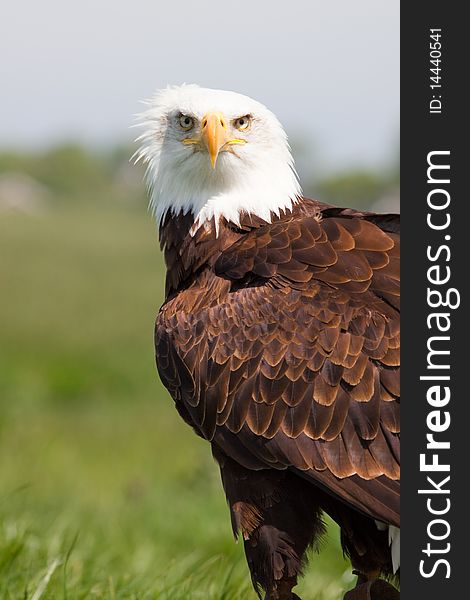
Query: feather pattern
279,343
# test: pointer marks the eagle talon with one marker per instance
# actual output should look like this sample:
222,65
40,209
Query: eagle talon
361,577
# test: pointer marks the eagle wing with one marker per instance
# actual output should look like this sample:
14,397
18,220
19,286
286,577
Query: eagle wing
297,366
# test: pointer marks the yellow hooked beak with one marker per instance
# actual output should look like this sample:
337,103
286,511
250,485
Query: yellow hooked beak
214,136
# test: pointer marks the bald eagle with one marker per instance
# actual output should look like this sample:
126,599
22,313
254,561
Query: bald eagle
278,339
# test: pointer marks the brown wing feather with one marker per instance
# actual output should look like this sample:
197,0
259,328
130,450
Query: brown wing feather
292,362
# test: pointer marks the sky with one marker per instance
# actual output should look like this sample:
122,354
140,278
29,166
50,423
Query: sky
330,71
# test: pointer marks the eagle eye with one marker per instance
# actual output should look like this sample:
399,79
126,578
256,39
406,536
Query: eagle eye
186,122
243,123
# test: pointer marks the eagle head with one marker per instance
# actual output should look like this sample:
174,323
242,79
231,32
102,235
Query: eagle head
215,154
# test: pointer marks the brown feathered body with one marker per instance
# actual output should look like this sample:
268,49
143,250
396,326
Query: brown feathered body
279,343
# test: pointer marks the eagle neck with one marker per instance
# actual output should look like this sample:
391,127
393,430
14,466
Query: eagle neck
190,250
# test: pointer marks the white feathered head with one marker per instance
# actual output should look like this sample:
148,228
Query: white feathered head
215,153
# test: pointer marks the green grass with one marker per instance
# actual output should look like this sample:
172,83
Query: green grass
104,491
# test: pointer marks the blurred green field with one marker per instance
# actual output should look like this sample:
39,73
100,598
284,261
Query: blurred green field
104,491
